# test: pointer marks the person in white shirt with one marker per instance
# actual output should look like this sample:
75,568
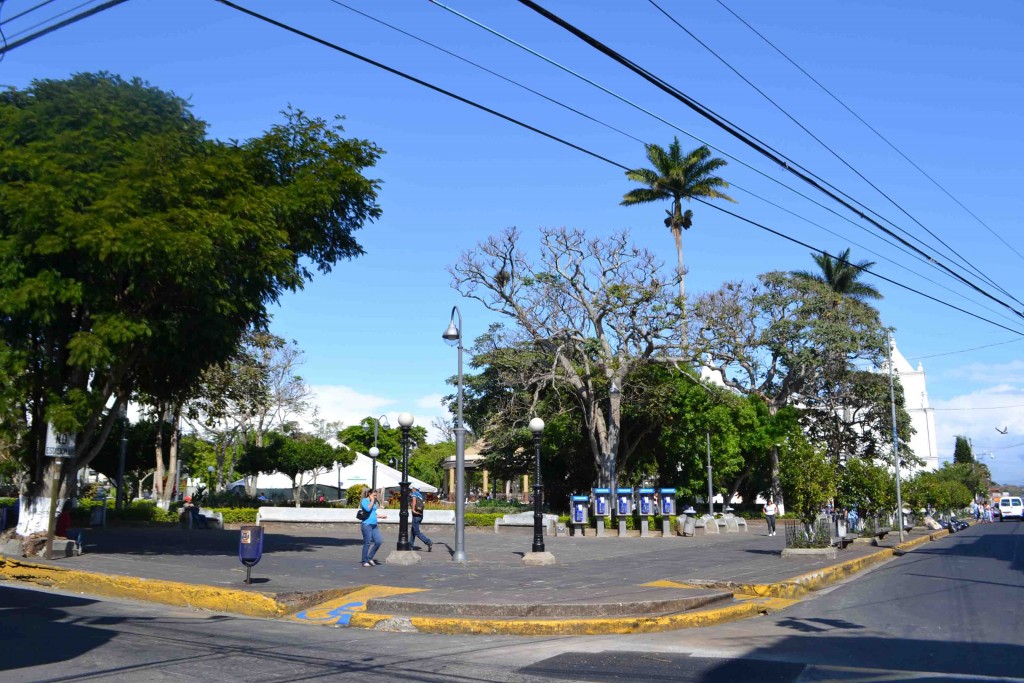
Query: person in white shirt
770,510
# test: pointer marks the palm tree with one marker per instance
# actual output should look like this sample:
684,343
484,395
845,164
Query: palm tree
841,276
677,177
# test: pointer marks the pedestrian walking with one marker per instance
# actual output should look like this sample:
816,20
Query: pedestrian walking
418,505
770,510
371,532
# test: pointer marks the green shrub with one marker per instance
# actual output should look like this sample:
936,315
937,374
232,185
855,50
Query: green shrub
482,519
355,494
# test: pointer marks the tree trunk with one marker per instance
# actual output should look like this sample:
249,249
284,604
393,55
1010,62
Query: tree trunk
34,513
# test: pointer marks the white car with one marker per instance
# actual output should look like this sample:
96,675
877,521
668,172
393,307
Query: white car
1012,507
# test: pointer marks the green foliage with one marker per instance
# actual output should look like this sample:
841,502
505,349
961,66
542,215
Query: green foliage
135,252
951,487
841,275
293,455
815,534
963,452
808,480
355,494
482,519
869,487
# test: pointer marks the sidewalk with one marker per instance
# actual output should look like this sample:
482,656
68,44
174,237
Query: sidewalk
598,585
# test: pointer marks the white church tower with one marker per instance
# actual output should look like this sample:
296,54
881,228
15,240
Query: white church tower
922,415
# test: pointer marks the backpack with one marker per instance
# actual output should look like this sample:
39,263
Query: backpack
417,506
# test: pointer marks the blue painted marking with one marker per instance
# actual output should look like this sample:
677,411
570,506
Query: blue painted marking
342,614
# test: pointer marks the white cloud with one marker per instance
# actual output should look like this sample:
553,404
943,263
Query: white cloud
1006,374
977,415
339,402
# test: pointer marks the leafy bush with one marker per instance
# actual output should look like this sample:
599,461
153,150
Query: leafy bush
355,494
814,536
484,519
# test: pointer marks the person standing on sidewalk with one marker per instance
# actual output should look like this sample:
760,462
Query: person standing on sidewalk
770,510
417,504
371,532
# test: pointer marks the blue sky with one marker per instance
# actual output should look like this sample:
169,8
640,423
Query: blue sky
939,80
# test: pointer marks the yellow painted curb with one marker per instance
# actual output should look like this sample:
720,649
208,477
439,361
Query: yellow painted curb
575,627
245,602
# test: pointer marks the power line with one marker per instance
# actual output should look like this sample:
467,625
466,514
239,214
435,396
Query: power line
953,353
636,139
28,11
67,22
869,127
830,150
401,74
751,141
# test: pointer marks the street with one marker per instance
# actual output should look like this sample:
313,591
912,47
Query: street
949,610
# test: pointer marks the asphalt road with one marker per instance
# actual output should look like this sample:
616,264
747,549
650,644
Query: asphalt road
950,610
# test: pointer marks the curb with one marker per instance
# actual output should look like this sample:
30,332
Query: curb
245,602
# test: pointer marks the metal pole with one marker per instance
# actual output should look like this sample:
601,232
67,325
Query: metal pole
538,489
895,442
120,462
460,470
403,519
373,480
711,495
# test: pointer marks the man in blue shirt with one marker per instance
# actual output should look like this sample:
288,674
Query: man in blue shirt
417,504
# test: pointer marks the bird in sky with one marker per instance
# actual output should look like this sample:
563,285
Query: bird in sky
1003,430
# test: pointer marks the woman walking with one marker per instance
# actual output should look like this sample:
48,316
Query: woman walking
371,533
770,510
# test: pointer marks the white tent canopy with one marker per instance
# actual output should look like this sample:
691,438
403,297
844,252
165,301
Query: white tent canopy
359,472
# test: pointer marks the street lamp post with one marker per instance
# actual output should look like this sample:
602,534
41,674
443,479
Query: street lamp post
209,483
405,421
374,451
537,427
122,413
453,337
895,443
711,492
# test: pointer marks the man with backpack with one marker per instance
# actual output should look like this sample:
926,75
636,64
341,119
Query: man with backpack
417,504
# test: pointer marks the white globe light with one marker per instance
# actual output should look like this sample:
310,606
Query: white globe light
374,452
405,419
536,425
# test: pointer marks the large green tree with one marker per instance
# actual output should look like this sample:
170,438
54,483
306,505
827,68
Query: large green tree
135,251
677,177
300,456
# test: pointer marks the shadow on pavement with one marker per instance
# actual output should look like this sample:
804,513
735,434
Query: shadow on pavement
163,541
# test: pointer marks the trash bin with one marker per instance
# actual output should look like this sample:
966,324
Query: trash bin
250,548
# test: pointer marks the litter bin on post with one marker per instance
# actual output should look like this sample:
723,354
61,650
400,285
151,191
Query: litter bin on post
667,508
250,549
602,507
579,507
645,508
98,515
623,507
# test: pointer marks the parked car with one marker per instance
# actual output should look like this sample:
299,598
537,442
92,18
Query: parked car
1010,507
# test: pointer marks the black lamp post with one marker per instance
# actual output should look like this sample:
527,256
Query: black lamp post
405,421
122,414
374,451
537,427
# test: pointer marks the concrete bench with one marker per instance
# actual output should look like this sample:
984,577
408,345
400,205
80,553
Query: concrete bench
733,523
710,524
293,515
549,523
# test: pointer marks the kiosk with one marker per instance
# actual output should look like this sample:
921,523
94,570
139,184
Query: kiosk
645,508
667,509
602,508
579,507
623,507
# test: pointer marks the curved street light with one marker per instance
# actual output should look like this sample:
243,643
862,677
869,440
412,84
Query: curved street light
453,337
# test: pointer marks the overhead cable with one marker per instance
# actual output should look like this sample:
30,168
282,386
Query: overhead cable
753,142
53,27
476,105
829,149
870,127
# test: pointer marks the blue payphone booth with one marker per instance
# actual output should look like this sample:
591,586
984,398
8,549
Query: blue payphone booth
579,510
623,507
667,508
602,507
646,508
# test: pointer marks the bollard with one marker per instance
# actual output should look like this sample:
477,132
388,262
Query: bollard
250,549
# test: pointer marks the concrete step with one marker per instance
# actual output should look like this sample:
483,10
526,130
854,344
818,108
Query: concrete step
625,601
